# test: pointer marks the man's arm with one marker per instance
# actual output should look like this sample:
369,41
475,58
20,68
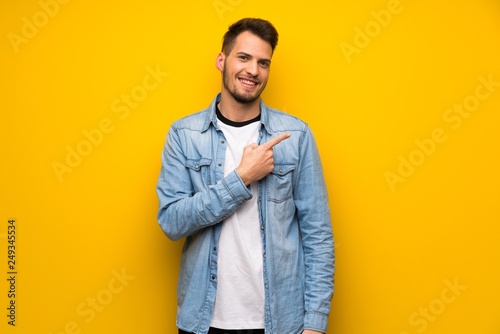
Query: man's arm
188,205
311,200
185,210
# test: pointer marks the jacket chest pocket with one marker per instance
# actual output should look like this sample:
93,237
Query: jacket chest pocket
199,171
280,183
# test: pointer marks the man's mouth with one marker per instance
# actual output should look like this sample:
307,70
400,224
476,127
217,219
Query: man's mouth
248,82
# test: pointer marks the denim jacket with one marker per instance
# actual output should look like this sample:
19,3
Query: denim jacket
298,249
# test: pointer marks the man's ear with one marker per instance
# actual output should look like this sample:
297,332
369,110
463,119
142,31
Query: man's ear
219,61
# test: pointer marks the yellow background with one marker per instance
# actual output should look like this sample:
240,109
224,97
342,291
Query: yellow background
416,253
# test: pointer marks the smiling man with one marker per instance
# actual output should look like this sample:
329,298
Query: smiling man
243,184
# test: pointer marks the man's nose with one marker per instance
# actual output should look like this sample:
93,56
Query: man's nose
252,68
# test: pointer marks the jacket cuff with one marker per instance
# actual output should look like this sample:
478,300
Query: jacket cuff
236,188
316,321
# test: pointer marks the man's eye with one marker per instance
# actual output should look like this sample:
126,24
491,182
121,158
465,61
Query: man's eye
243,57
264,64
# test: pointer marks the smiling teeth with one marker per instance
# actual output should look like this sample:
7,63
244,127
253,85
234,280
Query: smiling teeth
248,82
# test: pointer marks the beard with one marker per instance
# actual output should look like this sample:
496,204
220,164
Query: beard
239,97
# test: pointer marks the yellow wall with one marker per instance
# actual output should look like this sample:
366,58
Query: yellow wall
403,97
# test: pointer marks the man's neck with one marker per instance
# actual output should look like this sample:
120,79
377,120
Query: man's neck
238,112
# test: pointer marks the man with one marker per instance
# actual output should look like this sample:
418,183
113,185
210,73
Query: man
243,184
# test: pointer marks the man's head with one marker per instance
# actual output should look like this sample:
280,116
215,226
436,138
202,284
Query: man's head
259,27
245,59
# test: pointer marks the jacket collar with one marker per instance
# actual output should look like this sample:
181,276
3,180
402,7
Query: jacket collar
211,117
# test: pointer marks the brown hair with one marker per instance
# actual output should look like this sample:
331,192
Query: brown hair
262,28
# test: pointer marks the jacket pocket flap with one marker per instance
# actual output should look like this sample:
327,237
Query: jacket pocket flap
196,164
282,169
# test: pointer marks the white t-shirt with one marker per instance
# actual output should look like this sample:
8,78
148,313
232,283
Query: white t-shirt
239,302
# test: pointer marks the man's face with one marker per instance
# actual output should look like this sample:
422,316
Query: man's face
245,70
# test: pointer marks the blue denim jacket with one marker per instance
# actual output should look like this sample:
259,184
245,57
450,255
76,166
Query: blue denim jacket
298,249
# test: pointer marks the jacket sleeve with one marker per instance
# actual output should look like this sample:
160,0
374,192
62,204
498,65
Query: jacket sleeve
311,200
184,206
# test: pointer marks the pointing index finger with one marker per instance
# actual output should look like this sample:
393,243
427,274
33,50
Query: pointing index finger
276,140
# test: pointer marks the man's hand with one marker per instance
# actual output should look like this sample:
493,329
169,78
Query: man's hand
308,331
257,161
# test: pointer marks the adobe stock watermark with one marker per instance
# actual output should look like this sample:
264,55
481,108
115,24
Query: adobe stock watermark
223,6
31,26
121,108
454,118
87,310
363,36
425,315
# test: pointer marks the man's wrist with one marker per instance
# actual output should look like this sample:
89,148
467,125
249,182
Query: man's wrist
242,176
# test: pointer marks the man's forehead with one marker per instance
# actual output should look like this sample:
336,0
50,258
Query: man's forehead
253,45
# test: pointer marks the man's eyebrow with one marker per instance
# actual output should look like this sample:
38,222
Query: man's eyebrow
244,54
